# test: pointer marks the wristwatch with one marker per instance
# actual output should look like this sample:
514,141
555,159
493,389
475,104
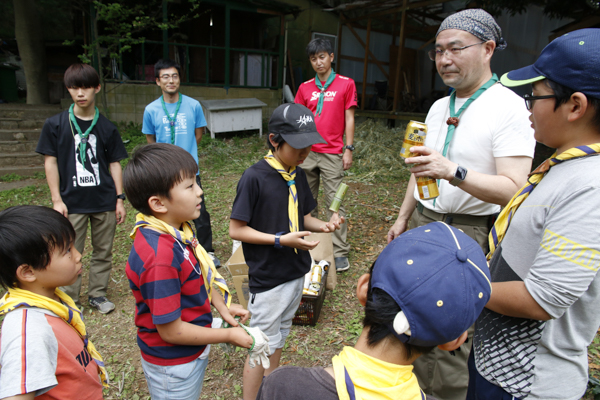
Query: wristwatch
277,237
459,176
349,147
121,196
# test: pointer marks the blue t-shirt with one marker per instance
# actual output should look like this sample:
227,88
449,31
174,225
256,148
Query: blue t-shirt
189,117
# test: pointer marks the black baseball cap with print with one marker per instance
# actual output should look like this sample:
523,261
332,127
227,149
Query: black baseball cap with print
296,124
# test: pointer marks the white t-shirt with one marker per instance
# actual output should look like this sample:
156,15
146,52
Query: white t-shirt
494,125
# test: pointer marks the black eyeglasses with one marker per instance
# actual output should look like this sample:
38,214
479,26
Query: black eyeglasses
454,51
529,99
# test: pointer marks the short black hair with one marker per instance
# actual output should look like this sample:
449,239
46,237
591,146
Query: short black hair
29,235
318,45
165,63
380,311
277,139
564,93
153,170
81,76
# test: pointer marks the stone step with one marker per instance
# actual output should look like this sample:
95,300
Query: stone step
29,112
20,134
29,159
22,170
17,146
16,123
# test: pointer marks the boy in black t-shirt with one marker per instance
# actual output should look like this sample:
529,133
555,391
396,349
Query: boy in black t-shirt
271,216
82,151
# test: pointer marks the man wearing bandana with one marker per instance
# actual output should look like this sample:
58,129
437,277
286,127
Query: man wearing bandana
332,98
479,147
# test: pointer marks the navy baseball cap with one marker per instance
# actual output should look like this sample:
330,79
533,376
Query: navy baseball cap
572,60
440,279
296,124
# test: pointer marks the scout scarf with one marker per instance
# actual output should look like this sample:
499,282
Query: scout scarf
323,88
501,226
453,120
67,310
83,136
372,378
293,197
209,272
174,119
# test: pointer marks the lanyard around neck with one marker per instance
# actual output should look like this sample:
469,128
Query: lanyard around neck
171,120
82,135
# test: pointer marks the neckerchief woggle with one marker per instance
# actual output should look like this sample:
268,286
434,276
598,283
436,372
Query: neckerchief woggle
501,225
186,236
174,119
83,136
453,120
293,196
372,378
323,88
67,311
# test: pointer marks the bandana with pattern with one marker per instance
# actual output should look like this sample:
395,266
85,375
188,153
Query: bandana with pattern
478,23
67,311
293,197
359,376
501,226
209,272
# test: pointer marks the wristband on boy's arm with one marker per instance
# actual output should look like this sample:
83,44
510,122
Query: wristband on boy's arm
277,240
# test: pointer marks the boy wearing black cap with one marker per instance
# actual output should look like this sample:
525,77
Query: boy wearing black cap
424,290
531,340
271,216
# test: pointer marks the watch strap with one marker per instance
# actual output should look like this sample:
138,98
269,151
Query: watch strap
277,240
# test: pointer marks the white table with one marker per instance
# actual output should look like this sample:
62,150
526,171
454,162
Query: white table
233,115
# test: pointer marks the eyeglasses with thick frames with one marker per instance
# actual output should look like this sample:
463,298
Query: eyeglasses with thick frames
435,54
530,99
166,77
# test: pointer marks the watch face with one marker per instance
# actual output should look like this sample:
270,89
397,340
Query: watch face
461,173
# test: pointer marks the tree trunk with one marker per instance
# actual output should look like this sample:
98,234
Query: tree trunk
32,50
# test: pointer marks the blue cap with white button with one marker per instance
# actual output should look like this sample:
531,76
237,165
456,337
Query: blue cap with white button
440,279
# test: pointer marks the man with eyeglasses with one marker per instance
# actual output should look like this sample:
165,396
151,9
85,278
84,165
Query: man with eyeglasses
178,119
479,147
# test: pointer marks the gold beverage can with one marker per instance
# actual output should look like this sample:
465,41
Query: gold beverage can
427,187
414,136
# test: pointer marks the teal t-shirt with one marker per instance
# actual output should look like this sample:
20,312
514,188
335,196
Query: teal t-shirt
189,117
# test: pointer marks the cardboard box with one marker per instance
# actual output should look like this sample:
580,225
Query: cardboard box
239,269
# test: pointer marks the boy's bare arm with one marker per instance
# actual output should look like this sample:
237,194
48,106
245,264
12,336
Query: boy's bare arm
230,313
316,225
239,230
26,396
513,299
151,138
53,178
186,334
117,175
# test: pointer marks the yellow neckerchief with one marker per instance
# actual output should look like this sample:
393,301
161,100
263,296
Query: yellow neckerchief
293,197
209,272
501,225
374,379
67,310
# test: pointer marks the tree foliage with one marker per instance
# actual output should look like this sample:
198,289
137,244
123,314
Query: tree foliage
552,8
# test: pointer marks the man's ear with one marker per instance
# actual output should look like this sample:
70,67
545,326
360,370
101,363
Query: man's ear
25,273
158,81
362,288
455,344
157,205
97,89
577,106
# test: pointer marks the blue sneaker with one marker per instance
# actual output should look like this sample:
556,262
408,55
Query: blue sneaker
341,264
